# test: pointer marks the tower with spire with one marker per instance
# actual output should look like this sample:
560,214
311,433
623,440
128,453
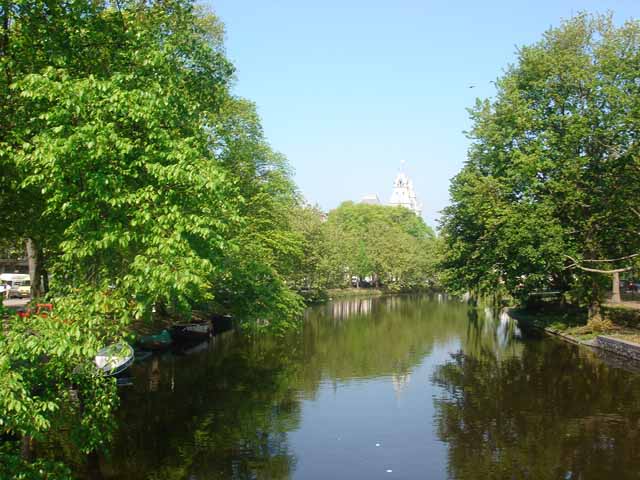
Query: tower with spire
403,194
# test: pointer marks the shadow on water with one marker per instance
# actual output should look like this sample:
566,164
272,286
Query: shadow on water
219,413
505,404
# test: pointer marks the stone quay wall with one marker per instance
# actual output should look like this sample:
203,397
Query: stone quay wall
621,347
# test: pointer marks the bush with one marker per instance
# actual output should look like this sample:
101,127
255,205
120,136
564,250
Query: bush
626,317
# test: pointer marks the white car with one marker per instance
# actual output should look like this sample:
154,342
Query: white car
20,289
18,284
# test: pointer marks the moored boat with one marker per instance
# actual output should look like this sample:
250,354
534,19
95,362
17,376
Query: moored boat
114,359
158,341
192,331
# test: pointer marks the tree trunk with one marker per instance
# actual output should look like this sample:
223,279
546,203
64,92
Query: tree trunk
45,281
615,297
594,305
34,256
25,450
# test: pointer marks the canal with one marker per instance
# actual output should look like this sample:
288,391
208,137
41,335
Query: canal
393,387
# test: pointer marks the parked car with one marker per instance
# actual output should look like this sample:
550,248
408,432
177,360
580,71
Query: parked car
20,288
18,284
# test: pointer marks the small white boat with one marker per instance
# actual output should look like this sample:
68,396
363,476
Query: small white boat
114,359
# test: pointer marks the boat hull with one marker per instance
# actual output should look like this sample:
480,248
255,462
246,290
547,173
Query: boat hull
114,359
192,331
160,341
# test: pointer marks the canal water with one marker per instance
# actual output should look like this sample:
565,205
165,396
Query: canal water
393,387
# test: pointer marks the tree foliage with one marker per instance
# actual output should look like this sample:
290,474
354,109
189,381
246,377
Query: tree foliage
553,167
389,246
147,185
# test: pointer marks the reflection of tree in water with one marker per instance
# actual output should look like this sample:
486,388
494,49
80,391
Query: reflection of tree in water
225,413
226,416
492,332
389,340
345,309
551,412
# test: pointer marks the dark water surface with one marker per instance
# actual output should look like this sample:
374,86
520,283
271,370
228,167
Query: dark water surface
395,387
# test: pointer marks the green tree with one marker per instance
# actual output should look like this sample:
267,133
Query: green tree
313,270
391,245
550,175
147,183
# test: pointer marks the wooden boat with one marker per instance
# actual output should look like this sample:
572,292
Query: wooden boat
192,331
114,359
158,341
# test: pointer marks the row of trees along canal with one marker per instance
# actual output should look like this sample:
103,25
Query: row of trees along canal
549,196
141,183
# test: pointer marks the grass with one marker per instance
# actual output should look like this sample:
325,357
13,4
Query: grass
573,324
569,323
555,320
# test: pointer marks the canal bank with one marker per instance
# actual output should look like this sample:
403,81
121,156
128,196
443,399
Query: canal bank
619,333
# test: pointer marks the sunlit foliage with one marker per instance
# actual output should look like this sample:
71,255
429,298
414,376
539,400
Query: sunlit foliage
553,168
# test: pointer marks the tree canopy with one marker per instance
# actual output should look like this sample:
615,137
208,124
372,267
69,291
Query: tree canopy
390,246
142,184
551,175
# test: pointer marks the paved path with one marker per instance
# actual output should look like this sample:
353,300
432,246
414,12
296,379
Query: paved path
633,305
16,303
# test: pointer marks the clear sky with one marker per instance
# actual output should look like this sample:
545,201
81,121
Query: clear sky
348,89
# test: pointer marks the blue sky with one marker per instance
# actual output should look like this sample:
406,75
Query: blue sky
348,89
